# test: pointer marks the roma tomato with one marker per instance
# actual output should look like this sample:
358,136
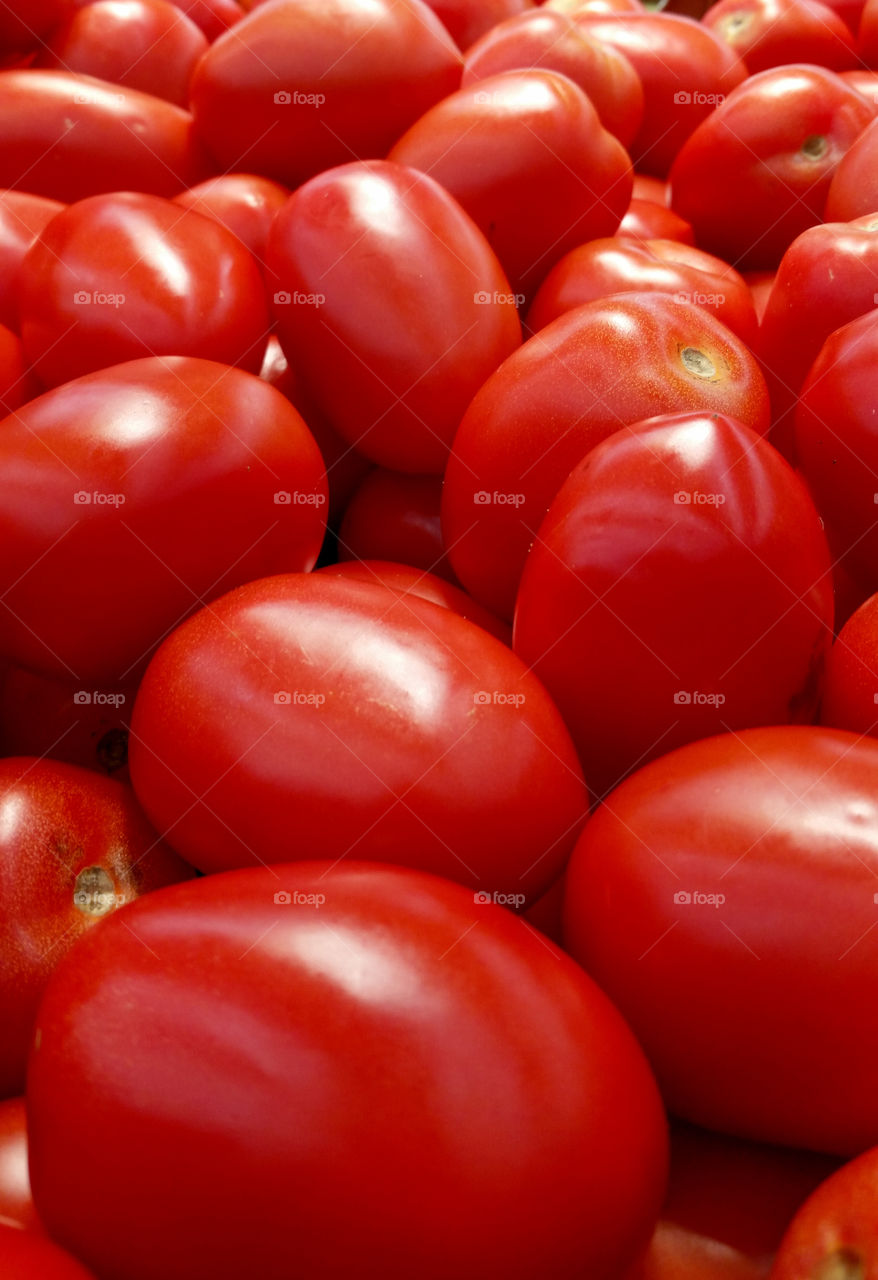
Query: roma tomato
391,308
679,586
396,517
73,847
144,44
851,697
422,736
16,1202
691,899
555,42
587,374
22,218
835,1231
117,476
297,87
243,202
772,33
754,175
400,1024
853,192
526,155
647,220
867,34
24,1255
466,20
67,136
124,275
617,265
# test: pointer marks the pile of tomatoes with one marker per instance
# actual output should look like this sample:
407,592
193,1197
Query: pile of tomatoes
438,640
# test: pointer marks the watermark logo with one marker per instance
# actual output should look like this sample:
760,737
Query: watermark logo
91,98
498,699
483,298
95,298
295,698
96,698
695,498
683,898
481,898
294,98
687,698
293,898
685,98
283,298
284,498
82,498
701,299
482,498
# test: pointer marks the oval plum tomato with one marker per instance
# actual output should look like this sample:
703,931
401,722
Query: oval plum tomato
424,737
867,34
145,44
753,176
679,586
73,847
827,277
402,1025
391,307
864,81
243,202
68,136
396,517
467,20
587,374
124,275
25,1255
23,26
616,265
850,700
22,218
772,33
117,476
526,155
647,220
692,899
593,6
16,1202
836,443
853,192
554,42
406,580
684,70
298,86
834,1233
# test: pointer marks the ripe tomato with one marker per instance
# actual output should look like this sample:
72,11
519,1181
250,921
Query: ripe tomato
853,192
391,308
554,42
243,202
16,1202
834,1233
467,20
772,33
647,220
867,34
73,847
299,86
752,177
526,155
596,369
117,475
679,586
124,275
23,26
68,136
396,517
144,44
25,1255
851,697
22,218
371,1031
692,898
424,737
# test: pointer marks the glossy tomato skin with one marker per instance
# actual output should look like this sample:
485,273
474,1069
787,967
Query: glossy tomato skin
553,41
244,203
684,70
853,192
146,44
25,1255
401,1075
752,178
679,586
692,897
298,87
117,477
835,1227
391,308
526,155
773,33
214,17
590,372
647,220
617,265
16,1202
467,20
423,736
117,138
850,700
396,517
22,218
75,847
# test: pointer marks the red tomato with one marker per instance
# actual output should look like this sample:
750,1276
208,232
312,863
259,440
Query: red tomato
646,220
617,265
853,192
526,155
24,23
864,81
25,1255
212,16
555,42
144,44
16,1202
851,697
300,86
396,517
867,34
243,202
73,847
124,275
588,373
680,585
692,899
684,69
837,443
752,176
401,1024
835,1232
467,20
405,580
593,6
772,33
68,136
22,218
117,476
424,737
391,307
